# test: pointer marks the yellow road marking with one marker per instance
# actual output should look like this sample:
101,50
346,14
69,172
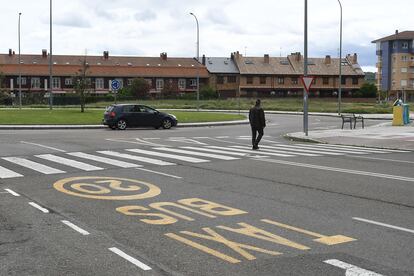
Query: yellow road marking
328,240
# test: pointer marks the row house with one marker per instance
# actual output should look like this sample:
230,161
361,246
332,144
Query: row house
280,76
179,74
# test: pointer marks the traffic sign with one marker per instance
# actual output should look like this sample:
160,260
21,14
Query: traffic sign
115,85
307,82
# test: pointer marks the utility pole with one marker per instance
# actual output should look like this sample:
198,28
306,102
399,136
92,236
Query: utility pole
198,61
20,70
50,62
340,62
305,72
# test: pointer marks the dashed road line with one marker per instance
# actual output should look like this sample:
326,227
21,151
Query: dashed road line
37,206
384,224
351,269
43,146
385,159
75,227
11,192
161,173
129,258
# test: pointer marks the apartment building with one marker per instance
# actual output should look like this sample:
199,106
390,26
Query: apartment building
179,74
396,64
280,76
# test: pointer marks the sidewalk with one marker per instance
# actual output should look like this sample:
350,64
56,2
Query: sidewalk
383,135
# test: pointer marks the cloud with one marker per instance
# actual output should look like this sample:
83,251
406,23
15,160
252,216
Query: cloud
72,20
146,15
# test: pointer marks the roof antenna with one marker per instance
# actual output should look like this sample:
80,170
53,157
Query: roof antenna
245,49
280,52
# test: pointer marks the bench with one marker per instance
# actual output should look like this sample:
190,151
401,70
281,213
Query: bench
352,118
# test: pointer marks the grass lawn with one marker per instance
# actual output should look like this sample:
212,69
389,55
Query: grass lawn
63,116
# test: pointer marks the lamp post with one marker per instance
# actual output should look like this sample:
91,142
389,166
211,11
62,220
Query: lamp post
20,71
198,67
50,61
340,62
305,71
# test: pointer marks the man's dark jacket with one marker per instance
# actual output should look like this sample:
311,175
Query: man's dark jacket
257,117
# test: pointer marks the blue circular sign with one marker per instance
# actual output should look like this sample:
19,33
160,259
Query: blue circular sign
115,85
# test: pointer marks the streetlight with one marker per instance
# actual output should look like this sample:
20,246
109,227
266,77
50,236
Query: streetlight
340,62
20,71
198,67
50,61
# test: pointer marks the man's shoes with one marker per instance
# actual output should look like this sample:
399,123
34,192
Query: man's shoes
255,147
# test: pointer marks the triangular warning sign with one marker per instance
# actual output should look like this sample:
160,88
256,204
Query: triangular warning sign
307,82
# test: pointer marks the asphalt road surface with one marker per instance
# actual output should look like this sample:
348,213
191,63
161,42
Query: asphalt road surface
199,201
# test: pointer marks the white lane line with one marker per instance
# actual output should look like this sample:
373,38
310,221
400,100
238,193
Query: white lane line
129,258
167,155
384,224
351,270
224,141
270,149
384,159
261,152
247,153
200,137
105,160
32,165
138,141
217,151
166,174
6,173
136,158
311,166
217,156
303,149
364,148
37,206
222,137
69,162
43,146
75,227
332,149
12,192
359,149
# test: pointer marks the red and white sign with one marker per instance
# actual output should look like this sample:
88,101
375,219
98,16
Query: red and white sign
307,82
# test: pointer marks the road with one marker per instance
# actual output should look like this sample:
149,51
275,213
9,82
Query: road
198,201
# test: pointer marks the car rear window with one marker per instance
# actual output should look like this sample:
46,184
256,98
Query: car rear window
110,108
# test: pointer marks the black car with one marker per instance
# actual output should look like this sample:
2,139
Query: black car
121,116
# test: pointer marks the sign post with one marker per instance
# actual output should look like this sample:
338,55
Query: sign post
307,83
115,86
305,70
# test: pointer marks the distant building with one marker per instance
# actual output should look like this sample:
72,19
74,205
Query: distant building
396,64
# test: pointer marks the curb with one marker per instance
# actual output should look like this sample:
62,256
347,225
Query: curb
300,139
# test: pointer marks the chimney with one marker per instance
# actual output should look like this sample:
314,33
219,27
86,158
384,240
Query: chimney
203,60
355,59
396,32
163,56
327,59
266,58
106,54
297,56
10,52
44,53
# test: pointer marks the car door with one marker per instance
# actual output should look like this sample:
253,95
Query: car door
149,116
128,114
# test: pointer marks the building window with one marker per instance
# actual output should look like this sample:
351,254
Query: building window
280,80
159,84
314,81
23,81
220,79
231,79
56,83
130,82
99,83
405,45
193,82
35,82
294,80
249,80
403,69
394,45
354,80
404,58
181,84
149,81
68,81
325,80
403,82
343,80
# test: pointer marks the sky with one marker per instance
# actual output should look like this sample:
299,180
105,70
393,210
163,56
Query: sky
254,28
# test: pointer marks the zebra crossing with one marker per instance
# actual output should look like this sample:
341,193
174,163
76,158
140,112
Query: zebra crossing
49,164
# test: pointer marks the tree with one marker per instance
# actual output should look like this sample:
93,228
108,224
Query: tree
4,95
170,89
367,90
81,83
139,88
207,92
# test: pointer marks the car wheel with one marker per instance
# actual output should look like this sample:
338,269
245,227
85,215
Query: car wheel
121,124
166,123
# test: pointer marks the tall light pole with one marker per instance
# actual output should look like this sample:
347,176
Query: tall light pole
305,71
198,67
20,71
340,62
50,62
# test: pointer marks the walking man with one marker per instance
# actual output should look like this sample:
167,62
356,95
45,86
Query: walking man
257,123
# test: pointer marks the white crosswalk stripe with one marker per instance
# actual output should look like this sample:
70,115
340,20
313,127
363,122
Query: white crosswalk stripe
136,158
167,155
265,149
253,151
331,150
211,155
33,165
69,162
364,149
105,160
303,149
6,173
217,151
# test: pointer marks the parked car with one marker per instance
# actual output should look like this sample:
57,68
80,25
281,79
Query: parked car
121,116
